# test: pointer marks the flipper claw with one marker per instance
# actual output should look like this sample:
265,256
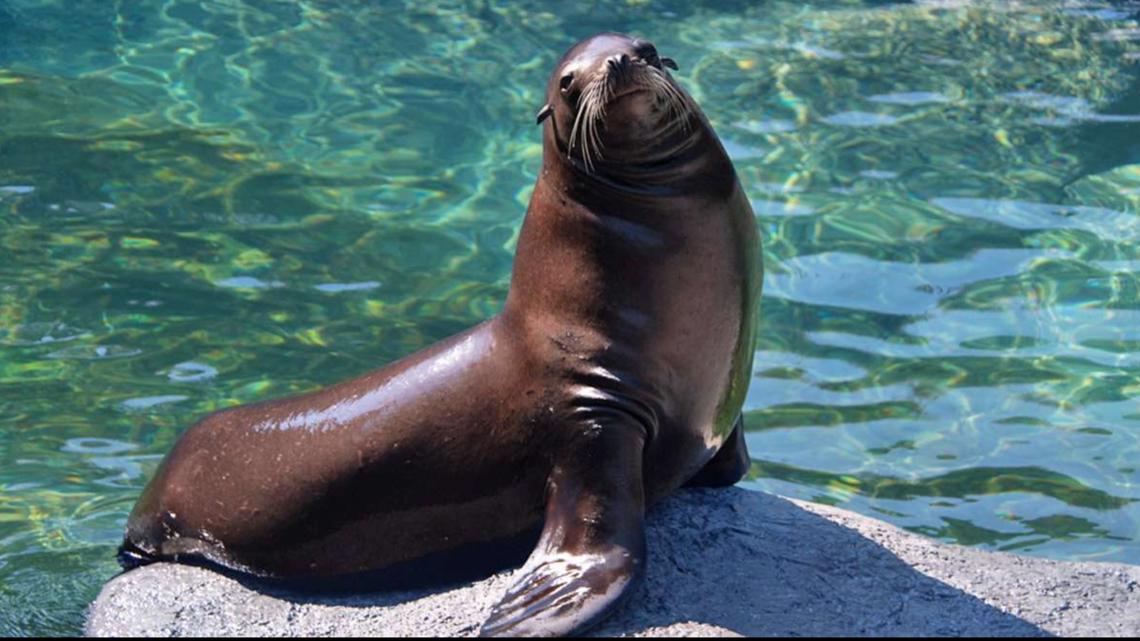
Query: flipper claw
563,593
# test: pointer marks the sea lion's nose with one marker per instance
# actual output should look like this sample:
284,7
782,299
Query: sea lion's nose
618,62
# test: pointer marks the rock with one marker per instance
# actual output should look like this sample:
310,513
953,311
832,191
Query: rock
721,562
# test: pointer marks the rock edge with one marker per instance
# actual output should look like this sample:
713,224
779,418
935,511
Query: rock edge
721,563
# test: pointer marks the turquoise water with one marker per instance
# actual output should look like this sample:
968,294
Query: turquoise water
210,203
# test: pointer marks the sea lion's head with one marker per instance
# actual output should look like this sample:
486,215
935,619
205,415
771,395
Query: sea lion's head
611,101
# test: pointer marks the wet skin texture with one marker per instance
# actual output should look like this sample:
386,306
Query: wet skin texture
614,375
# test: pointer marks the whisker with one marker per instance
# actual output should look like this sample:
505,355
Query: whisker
588,107
678,106
575,129
598,115
681,108
591,111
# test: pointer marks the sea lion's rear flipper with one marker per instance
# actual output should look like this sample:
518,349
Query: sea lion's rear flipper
728,465
592,550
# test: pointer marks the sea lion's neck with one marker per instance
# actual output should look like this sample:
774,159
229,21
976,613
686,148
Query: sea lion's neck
689,158
610,216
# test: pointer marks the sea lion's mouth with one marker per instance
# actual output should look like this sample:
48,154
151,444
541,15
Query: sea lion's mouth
629,92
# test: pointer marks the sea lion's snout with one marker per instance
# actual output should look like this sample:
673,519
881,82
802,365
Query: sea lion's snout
618,64
612,102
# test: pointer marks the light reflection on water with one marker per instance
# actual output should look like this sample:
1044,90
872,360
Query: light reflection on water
212,203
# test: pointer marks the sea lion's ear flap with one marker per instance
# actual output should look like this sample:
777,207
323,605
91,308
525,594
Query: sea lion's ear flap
669,62
544,113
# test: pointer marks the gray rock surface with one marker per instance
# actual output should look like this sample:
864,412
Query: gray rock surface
721,562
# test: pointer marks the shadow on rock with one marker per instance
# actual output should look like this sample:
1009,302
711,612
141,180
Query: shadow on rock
759,565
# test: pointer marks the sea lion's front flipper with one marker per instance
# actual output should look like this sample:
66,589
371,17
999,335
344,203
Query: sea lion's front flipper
592,549
730,463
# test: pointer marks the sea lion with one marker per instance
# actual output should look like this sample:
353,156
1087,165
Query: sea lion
614,375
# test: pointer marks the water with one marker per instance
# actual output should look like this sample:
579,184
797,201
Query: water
211,203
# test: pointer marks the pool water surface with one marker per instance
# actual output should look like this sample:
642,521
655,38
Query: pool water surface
204,204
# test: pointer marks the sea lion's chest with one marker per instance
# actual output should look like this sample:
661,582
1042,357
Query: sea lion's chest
652,309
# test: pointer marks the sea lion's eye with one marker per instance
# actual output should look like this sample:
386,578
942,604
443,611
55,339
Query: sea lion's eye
564,83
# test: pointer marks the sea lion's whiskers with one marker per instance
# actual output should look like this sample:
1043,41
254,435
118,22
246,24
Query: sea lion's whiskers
587,109
584,131
598,114
678,107
590,141
575,130
677,102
